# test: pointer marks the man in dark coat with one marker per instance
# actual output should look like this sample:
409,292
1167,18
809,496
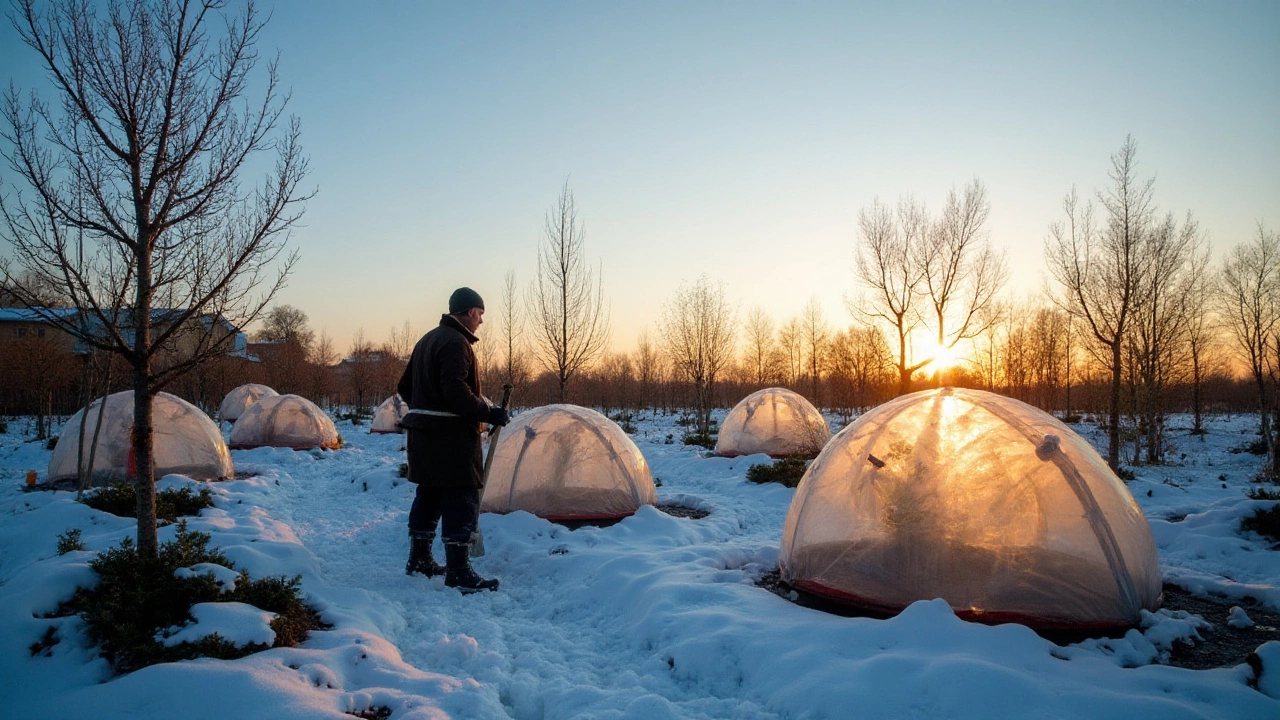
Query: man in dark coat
441,385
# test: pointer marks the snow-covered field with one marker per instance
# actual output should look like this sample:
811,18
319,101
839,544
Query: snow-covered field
654,617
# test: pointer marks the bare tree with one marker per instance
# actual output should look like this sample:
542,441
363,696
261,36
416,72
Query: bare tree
1250,299
1201,327
1160,323
400,342
286,323
697,330
1101,270
759,337
815,334
511,328
320,363
361,371
566,300
136,201
288,329
649,371
887,265
790,347
961,271
619,378
1046,335
861,365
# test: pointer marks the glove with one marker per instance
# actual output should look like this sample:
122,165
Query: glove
498,417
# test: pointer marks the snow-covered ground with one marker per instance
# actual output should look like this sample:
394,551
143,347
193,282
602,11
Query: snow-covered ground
654,617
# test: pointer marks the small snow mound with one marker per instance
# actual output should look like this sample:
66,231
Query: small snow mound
1238,618
381,480
1265,662
236,622
1164,628
224,576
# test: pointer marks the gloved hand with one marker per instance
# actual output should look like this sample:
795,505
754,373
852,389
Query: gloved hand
498,417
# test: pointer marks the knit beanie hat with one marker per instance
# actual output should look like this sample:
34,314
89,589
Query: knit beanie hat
463,299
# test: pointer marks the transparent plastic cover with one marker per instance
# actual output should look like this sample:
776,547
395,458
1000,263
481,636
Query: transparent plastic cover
286,421
565,462
987,502
388,414
186,441
774,421
238,400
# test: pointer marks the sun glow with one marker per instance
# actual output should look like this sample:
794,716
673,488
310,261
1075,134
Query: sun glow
944,358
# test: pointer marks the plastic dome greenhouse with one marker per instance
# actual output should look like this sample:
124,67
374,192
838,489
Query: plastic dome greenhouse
984,501
239,400
387,415
564,462
774,421
286,421
186,441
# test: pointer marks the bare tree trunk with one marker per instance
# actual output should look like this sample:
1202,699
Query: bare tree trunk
143,432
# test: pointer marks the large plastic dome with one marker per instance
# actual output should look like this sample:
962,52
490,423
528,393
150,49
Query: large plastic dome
387,416
981,500
186,441
239,400
564,462
774,421
286,421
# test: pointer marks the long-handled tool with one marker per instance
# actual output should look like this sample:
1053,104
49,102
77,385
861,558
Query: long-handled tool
477,537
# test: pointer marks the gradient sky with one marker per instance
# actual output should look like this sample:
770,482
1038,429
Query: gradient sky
739,139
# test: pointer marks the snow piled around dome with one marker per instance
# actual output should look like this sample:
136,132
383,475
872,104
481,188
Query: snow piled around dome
774,421
564,462
186,441
984,501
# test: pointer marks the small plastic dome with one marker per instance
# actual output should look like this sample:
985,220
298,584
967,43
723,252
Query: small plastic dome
286,421
986,502
564,462
239,400
186,441
774,421
386,417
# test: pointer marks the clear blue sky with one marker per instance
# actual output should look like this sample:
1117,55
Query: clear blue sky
740,139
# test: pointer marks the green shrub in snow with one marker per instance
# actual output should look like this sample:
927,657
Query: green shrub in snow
120,499
137,598
787,471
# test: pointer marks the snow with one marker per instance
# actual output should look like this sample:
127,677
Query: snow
223,576
1238,618
235,622
654,617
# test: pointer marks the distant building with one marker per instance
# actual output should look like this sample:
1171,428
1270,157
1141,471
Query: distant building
33,343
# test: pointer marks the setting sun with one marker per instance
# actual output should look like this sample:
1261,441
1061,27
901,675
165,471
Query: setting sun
944,358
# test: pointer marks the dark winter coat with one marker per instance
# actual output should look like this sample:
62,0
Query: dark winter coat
442,375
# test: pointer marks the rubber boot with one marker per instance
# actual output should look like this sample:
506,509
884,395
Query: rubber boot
420,558
458,572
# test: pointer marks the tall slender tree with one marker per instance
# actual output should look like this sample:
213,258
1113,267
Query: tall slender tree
1250,300
137,202
698,332
1101,269
815,333
569,317
892,271
961,271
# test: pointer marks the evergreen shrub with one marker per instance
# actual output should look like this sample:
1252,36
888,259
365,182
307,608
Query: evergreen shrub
120,499
137,598
787,471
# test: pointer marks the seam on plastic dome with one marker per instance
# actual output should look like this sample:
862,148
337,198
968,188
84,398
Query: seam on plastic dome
1093,512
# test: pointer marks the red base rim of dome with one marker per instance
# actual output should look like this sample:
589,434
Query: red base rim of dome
979,616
